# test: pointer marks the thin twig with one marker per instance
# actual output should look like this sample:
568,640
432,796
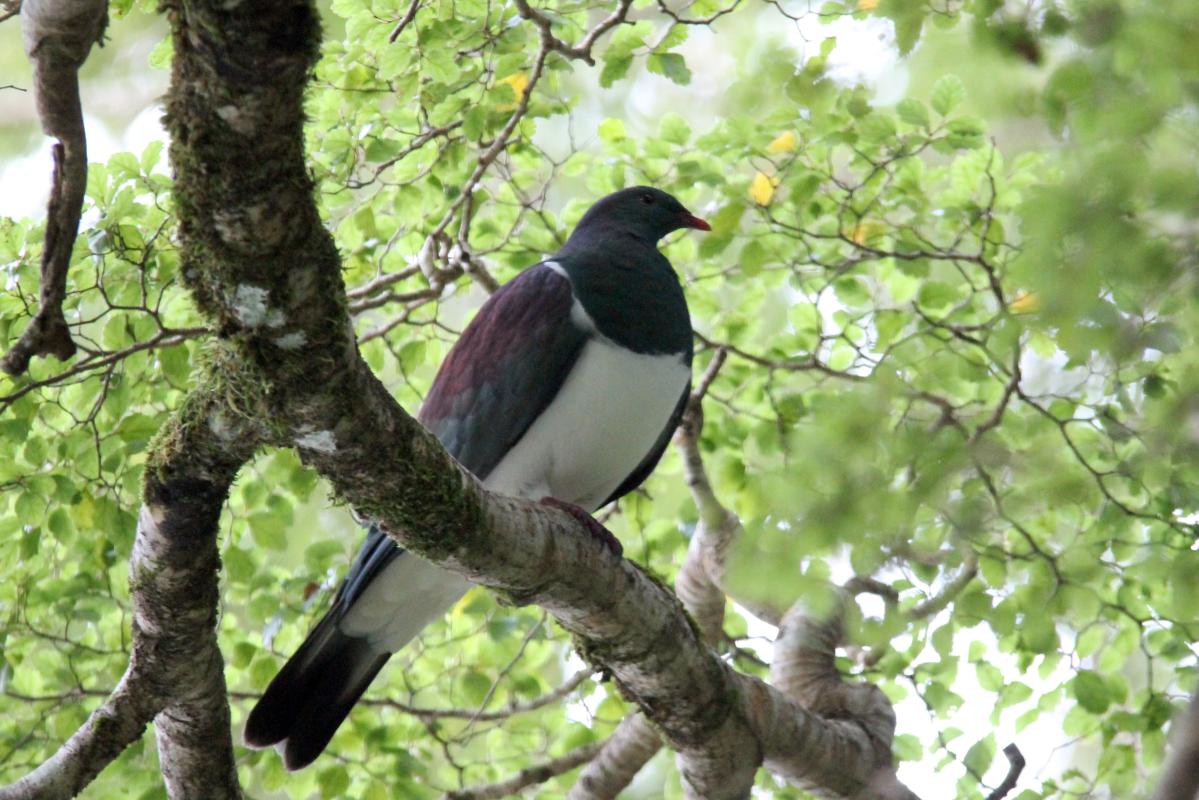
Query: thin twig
582,50
405,21
511,710
934,604
530,776
167,337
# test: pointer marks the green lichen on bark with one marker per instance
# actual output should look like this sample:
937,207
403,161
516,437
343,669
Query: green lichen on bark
243,192
218,425
411,486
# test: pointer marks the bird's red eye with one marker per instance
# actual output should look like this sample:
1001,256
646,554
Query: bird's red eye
648,199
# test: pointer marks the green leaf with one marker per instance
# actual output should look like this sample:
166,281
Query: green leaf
852,291
876,127
913,112
161,55
1038,633
1184,584
989,677
614,69
672,65
475,686
674,129
936,296
752,257
980,755
268,530
474,122
333,781
150,156
612,130
239,564
948,93
1091,691
727,219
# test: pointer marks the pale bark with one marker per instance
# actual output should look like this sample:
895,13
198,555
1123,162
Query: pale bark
1180,777
859,722
116,724
175,675
626,751
702,576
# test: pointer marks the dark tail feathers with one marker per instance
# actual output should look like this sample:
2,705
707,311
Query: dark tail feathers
311,696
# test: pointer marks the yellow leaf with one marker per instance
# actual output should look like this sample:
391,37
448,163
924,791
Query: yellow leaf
518,81
867,5
867,232
1025,303
84,512
460,607
783,143
761,189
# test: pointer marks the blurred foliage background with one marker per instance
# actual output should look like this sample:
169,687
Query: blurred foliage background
953,267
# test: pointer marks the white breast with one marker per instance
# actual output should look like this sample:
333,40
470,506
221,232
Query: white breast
602,423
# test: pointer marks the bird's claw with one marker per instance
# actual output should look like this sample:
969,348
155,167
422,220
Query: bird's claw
593,525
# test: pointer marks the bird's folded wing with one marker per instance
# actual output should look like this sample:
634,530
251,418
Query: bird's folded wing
505,370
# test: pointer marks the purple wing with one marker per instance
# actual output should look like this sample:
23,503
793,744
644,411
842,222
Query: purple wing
505,369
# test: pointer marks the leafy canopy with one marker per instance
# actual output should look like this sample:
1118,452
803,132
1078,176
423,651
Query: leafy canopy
961,360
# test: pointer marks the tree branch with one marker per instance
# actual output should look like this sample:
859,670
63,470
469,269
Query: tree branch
1180,777
701,580
9,10
859,719
112,727
949,592
405,21
58,36
582,50
175,673
1015,760
529,776
625,752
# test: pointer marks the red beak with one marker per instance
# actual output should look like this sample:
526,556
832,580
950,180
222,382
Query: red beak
691,221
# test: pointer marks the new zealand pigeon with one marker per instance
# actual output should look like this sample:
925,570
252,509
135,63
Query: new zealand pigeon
566,387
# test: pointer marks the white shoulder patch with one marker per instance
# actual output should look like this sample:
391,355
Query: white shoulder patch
578,314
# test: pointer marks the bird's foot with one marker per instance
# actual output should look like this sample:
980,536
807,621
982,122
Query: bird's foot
592,524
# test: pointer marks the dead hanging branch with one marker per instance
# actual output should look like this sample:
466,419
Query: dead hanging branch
58,36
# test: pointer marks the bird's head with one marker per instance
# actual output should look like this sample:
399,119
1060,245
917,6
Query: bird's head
643,211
